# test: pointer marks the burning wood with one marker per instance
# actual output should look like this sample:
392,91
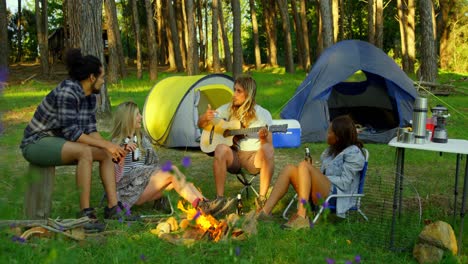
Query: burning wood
198,225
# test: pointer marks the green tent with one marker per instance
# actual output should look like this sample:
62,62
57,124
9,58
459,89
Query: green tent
172,107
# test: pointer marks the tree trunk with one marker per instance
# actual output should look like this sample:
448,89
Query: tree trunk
151,40
4,51
19,34
180,11
410,35
371,13
404,42
253,13
226,46
136,29
336,17
444,30
74,11
289,63
91,43
161,30
327,23
379,23
201,34
305,35
173,35
116,61
269,10
428,69
65,21
319,48
298,30
214,36
236,39
120,50
192,50
42,35
207,31
342,20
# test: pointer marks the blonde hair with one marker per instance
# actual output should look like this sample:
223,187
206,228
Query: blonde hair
124,123
245,113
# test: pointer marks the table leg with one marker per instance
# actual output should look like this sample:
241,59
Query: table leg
455,191
401,169
462,209
400,158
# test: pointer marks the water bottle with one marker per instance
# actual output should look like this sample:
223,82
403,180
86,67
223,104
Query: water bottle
239,204
307,156
136,152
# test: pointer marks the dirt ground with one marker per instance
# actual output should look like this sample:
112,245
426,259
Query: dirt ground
23,72
20,73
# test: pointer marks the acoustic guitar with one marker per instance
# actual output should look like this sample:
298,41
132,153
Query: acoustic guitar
223,132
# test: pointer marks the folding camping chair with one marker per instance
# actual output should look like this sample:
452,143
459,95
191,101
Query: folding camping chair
334,195
247,182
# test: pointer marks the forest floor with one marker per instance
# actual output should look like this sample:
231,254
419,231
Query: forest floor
20,73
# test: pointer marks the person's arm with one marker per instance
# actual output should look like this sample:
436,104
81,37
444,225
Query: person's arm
353,162
207,117
96,140
264,134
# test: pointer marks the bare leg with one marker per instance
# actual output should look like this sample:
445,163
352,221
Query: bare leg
84,155
81,154
264,159
107,173
223,158
311,182
161,181
303,187
281,187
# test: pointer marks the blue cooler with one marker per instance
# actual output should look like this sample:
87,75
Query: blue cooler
290,139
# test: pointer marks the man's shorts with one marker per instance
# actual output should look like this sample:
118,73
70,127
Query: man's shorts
243,159
47,151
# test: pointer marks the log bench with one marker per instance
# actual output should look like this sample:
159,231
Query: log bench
38,197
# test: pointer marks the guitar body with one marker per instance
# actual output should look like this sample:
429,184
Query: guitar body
214,135
223,132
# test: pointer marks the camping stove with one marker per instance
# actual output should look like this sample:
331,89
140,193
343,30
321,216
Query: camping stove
440,114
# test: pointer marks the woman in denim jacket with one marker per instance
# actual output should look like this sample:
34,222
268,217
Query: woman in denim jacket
341,164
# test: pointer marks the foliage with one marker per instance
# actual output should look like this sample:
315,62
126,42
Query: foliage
28,34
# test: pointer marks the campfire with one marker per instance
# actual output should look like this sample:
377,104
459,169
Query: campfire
196,225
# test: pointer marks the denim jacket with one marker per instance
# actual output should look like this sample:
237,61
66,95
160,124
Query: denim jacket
343,171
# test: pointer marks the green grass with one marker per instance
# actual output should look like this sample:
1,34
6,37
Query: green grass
431,175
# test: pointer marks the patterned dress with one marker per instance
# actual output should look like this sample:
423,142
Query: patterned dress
134,176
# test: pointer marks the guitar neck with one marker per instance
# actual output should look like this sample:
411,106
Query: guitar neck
243,131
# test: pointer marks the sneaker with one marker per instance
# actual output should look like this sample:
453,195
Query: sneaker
211,207
119,212
260,202
297,222
263,217
89,212
229,207
93,226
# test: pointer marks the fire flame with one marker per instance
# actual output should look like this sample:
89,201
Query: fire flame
205,222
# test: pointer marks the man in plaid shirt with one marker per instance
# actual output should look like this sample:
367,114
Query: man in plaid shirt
63,132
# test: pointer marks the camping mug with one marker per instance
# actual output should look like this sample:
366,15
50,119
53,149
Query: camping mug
401,133
408,137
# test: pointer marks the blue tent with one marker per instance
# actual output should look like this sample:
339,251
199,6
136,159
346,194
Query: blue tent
379,104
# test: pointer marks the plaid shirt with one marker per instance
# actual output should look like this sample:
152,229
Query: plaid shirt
65,112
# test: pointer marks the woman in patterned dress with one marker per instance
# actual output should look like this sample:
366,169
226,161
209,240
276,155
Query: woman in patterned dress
142,179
